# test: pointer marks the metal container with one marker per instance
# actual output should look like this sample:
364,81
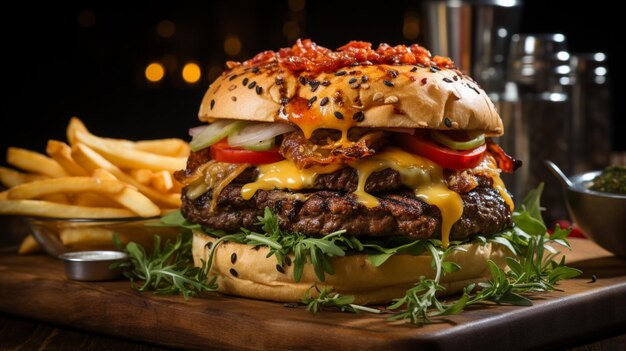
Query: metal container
92,265
601,216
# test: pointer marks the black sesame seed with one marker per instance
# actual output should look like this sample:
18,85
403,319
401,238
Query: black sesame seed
324,101
352,80
284,101
209,245
447,122
338,115
364,79
233,272
233,258
255,69
244,82
280,268
352,73
341,73
455,78
413,69
314,85
388,83
326,83
393,74
311,101
594,278
302,80
259,89
359,116
288,260
434,69
232,77
251,85
212,104
447,80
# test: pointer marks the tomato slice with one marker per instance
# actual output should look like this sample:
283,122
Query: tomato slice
445,157
223,152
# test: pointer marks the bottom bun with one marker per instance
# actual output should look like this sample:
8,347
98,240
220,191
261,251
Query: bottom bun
244,270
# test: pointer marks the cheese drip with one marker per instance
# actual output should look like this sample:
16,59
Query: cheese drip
498,184
419,174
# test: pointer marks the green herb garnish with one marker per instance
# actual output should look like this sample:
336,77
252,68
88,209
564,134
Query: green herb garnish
611,180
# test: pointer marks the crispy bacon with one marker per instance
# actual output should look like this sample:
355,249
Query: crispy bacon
505,162
306,153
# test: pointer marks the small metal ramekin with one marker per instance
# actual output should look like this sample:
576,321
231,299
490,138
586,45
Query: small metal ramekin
92,265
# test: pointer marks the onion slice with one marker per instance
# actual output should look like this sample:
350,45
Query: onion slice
258,134
213,133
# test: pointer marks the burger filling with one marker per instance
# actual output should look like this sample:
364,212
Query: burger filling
377,183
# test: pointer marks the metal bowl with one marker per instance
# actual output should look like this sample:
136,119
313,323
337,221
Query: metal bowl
62,235
601,216
92,265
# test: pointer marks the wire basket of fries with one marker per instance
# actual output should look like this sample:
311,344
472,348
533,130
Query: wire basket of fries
85,192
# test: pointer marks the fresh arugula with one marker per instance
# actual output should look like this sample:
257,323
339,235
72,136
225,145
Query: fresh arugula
327,298
531,270
168,270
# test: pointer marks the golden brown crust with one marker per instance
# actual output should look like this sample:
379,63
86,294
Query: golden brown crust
256,276
393,96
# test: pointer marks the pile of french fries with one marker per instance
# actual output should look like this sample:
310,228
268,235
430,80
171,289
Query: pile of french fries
93,177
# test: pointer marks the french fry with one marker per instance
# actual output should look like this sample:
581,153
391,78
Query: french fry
166,147
91,161
74,125
58,198
88,235
93,200
162,181
29,245
130,198
129,157
40,208
11,178
34,162
62,153
65,185
143,176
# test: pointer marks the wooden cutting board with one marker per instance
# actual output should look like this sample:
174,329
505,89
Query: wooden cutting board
35,287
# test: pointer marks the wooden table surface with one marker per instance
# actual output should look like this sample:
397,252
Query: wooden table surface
40,309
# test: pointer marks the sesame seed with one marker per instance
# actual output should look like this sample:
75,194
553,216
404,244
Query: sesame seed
232,87
378,96
255,69
365,86
251,85
447,80
314,85
338,115
447,122
413,69
434,69
392,99
341,73
288,260
352,80
420,65
233,98
233,272
455,78
594,278
280,268
302,80
259,90
232,77
284,101
244,82
352,73
392,74
209,245
233,258
212,104
311,101
388,83
326,83
324,101
359,116
423,81
364,79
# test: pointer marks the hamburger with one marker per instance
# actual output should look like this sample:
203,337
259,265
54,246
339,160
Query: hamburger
345,169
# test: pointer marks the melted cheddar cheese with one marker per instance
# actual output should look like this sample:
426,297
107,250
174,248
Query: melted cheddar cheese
421,175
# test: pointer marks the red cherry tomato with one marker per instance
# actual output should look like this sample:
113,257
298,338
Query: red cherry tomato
445,157
223,152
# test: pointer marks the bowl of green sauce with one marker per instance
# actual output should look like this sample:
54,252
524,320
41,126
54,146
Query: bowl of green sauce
596,201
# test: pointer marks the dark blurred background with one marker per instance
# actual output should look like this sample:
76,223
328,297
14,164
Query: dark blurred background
141,72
